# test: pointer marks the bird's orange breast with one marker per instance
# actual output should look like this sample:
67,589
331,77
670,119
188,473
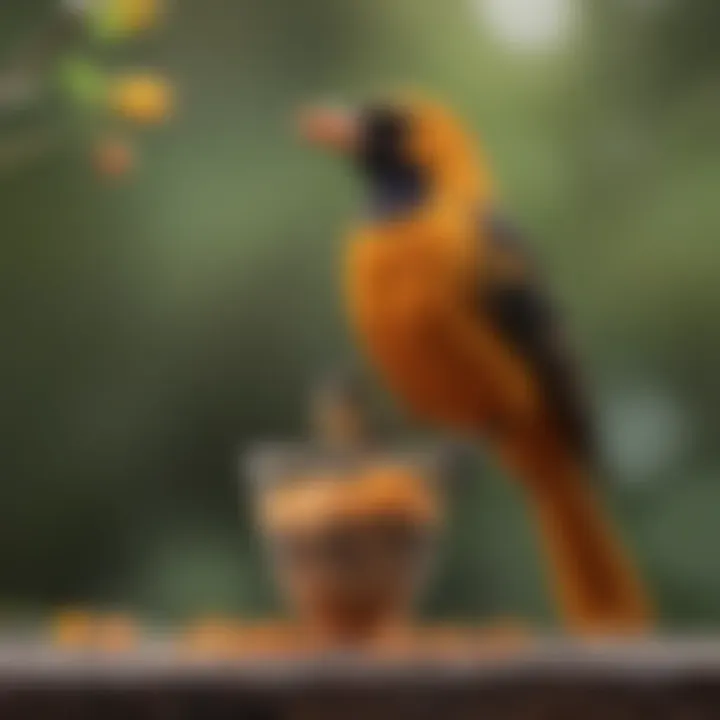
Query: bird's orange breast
421,328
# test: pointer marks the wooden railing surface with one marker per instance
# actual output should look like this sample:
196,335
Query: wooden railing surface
548,680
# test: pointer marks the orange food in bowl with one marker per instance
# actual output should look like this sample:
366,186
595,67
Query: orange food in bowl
385,490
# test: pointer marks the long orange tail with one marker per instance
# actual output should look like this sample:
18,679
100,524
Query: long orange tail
597,587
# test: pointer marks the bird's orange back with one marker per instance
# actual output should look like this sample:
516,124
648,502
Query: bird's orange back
412,281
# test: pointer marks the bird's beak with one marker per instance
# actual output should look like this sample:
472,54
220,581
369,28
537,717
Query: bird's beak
335,128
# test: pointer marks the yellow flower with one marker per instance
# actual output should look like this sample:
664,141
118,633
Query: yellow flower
138,15
145,99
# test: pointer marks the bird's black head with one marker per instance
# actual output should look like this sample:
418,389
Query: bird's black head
408,151
397,184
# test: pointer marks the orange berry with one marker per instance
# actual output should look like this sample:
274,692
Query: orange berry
215,638
113,157
116,633
74,629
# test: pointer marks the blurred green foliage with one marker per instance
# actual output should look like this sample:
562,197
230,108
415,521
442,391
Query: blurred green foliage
153,329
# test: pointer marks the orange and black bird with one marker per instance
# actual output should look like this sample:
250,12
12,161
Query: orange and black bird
446,300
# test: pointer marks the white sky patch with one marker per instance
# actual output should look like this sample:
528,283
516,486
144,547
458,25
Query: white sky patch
537,25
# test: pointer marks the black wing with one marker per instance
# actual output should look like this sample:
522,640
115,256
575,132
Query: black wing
521,311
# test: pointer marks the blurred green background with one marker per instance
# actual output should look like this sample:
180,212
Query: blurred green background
155,327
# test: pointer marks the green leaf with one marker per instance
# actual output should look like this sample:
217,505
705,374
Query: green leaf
84,81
